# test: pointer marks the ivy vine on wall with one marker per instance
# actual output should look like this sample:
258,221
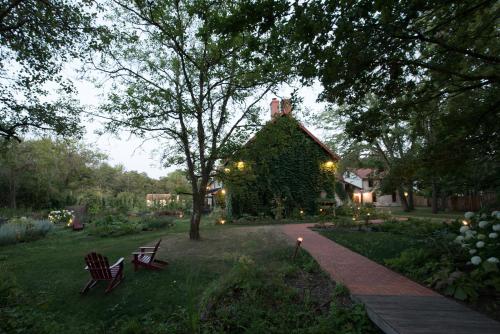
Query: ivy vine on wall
278,172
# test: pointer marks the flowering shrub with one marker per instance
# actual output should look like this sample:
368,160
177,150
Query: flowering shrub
61,217
479,235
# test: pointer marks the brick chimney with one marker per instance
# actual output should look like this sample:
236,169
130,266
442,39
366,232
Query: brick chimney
286,106
275,107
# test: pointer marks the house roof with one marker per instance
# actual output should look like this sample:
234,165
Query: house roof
363,172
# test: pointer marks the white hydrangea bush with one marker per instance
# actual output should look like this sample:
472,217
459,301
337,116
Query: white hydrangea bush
479,235
61,217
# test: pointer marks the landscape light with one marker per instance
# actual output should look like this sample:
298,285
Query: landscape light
329,164
227,170
368,214
240,165
222,221
406,194
353,218
301,212
223,191
465,222
297,246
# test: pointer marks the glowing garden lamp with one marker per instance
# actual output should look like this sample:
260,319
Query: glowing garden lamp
223,191
222,221
329,164
297,246
240,165
464,222
301,212
406,194
227,170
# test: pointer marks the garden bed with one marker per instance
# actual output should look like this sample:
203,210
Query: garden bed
436,255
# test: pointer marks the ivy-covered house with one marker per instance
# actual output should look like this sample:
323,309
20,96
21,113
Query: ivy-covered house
284,170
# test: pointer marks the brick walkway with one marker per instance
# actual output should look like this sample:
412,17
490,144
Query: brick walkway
395,303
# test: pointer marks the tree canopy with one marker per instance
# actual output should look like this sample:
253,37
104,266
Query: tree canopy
36,39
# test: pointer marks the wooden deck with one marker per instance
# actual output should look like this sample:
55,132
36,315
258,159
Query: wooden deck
396,304
425,314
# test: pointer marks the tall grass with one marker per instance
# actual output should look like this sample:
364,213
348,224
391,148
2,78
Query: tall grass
23,230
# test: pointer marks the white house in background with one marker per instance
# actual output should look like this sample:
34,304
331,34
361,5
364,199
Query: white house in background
363,184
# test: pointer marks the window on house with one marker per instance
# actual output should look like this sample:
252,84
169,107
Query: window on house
370,183
393,197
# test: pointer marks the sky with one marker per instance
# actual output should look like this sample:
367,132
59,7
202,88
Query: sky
135,154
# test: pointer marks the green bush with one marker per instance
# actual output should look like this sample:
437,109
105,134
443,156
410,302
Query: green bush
23,229
114,226
118,225
156,223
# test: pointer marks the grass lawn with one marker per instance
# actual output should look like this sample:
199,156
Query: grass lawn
227,280
421,212
376,246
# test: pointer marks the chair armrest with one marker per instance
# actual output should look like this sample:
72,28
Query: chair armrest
120,261
141,253
148,247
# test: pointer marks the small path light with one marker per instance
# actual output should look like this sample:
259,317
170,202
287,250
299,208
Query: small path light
227,170
240,165
222,221
223,191
297,246
465,222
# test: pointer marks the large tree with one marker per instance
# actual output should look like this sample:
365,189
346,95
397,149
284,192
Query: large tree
191,75
433,68
36,39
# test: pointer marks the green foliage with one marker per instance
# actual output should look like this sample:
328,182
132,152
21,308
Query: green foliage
257,300
48,174
33,55
282,171
151,223
465,267
119,225
23,230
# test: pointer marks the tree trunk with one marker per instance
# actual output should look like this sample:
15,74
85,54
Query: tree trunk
434,202
411,204
194,228
402,198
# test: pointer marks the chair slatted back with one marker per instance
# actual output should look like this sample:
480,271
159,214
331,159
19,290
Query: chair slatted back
98,266
155,250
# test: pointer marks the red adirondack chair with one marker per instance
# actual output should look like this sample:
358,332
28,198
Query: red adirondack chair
77,224
100,270
145,257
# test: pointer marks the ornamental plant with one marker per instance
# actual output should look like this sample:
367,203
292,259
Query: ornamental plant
61,217
479,235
